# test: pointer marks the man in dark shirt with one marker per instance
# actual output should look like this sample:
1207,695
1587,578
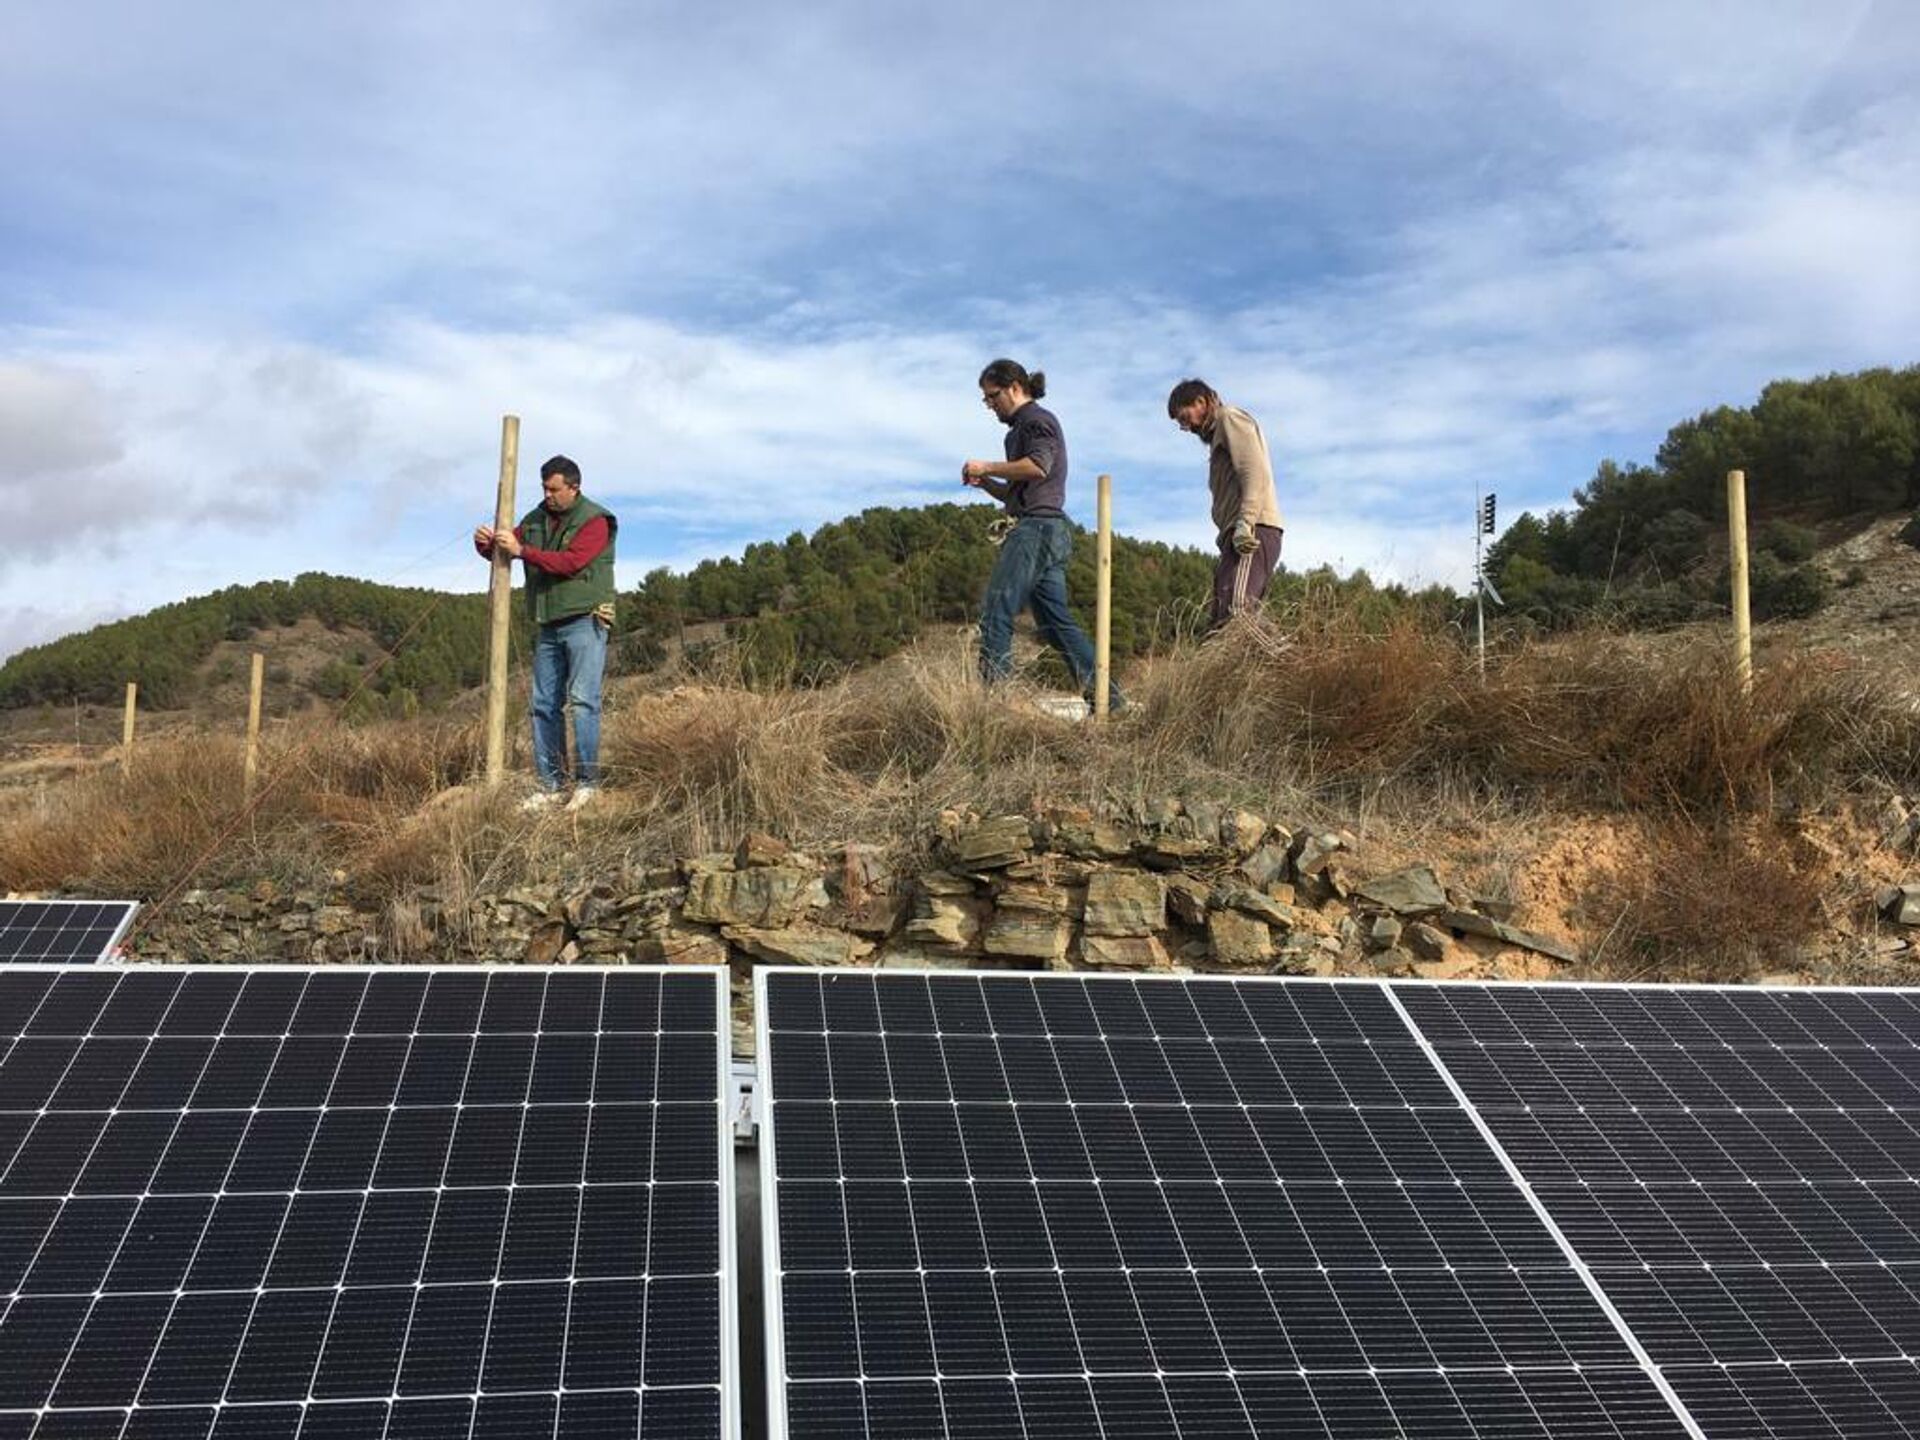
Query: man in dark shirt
1031,569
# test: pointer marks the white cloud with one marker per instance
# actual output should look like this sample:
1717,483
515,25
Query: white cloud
1430,250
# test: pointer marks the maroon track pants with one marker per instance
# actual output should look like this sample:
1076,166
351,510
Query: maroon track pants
1240,581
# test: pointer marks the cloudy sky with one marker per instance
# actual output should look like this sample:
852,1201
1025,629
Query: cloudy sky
270,275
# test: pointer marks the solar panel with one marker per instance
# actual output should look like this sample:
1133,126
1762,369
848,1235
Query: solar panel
1023,1206
66,932
341,1202
1739,1167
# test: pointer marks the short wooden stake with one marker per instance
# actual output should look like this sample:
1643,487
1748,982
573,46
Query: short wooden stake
1103,600
1737,570
126,730
253,717
499,603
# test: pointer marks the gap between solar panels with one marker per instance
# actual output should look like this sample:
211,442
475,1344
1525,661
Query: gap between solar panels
1023,1205
324,1202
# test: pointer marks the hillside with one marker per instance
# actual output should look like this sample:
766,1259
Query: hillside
1644,545
853,592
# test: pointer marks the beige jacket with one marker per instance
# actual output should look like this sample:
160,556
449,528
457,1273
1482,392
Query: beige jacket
1238,471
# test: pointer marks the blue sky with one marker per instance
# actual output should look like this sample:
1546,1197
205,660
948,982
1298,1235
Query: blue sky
269,275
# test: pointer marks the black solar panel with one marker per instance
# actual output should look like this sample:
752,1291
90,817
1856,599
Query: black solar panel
62,932
337,1202
1064,1206
1741,1170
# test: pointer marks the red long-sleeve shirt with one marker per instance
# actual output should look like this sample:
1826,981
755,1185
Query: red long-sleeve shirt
587,543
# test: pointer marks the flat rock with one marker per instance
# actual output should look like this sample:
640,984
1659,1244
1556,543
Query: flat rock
1125,903
758,848
1384,933
1258,904
1175,852
1238,941
1266,865
1416,890
1471,922
1028,934
946,922
1124,952
1426,942
765,896
800,945
993,844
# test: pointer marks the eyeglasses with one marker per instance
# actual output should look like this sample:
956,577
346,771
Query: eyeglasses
987,397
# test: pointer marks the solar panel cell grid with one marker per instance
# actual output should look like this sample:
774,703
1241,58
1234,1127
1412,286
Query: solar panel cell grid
64,932
1004,1206
1746,1194
336,1202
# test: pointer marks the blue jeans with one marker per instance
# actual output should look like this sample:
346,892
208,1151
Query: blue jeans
1032,571
568,658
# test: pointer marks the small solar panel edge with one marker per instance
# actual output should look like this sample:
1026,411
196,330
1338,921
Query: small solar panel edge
98,923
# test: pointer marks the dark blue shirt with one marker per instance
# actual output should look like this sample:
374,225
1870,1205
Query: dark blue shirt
1034,434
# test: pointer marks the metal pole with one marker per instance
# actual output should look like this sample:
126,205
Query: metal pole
499,602
1479,586
126,730
253,717
1103,600
1737,568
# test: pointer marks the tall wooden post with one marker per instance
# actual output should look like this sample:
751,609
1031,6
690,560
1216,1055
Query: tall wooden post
1103,601
1737,569
126,730
499,603
254,688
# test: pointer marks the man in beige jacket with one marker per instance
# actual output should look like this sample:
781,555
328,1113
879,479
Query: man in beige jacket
1245,511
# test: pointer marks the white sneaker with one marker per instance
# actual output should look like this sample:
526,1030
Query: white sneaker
583,797
540,800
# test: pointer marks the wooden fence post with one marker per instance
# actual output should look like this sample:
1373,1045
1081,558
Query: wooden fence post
499,602
1103,601
126,730
1737,570
253,717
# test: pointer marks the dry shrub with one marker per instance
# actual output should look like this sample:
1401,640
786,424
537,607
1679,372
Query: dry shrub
1706,903
455,844
395,762
729,757
1589,720
1318,703
1596,720
183,816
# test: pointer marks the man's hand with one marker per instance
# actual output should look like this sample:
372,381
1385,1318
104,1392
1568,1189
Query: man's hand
509,542
483,536
974,471
1244,540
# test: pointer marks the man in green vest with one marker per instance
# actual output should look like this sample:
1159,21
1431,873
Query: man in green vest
565,545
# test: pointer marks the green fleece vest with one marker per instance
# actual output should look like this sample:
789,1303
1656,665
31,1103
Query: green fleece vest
549,598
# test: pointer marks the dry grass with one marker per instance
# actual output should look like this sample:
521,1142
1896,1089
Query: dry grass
323,798
1323,716
1586,721
1705,904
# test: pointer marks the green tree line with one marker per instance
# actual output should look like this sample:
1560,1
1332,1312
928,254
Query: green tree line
861,588
164,650
1642,541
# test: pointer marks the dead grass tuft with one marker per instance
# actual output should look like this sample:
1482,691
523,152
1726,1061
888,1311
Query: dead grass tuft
1706,904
